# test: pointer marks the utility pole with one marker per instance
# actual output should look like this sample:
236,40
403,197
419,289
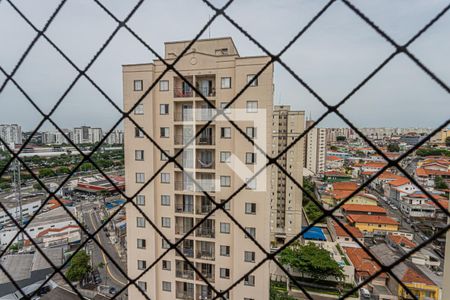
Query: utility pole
18,195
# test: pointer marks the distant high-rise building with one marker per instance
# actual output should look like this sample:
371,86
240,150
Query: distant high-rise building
11,134
55,137
87,135
286,197
315,149
172,113
115,137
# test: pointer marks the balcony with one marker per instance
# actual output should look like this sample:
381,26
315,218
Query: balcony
206,229
184,186
186,247
207,270
205,159
181,88
204,292
183,225
184,290
204,114
183,270
184,204
205,250
206,85
185,115
203,206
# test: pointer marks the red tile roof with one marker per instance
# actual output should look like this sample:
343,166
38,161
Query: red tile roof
363,208
399,182
401,241
411,276
345,185
353,230
374,164
428,172
362,262
371,219
334,158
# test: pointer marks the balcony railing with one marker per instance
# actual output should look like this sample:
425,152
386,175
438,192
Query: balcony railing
185,274
203,209
187,295
186,116
206,91
182,93
207,232
184,208
184,186
206,254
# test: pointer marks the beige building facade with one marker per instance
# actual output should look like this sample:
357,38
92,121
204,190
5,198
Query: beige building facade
220,160
286,197
446,285
315,148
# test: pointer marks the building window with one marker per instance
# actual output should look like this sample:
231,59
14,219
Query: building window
225,132
142,285
164,85
138,132
164,157
165,244
225,82
141,243
252,106
166,265
139,154
142,264
224,273
138,85
249,280
225,228
225,181
165,200
140,177
165,222
139,109
250,158
225,156
222,106
140,222
224,250
165,177
164,109
166,286
251,132
140,200
251,231
250,208
226,205
164,132
253,77
249,256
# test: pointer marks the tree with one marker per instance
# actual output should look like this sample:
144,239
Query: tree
393,147
62,170
86,167
79,266
277,294
447,141
46,172
312,211
311,261
310,187
340,138
37,186
440,184
333,148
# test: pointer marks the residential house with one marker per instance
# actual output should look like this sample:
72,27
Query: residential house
373,224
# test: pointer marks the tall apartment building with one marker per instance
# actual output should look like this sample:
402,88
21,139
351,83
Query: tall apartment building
87,135
115,137
315,148
172,113
56,137
11,133
286,197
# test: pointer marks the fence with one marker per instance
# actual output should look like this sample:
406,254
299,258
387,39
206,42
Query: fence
171,67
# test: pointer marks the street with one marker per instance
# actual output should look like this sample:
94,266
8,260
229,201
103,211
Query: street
110,275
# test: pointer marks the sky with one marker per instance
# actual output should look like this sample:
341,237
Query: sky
337,52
